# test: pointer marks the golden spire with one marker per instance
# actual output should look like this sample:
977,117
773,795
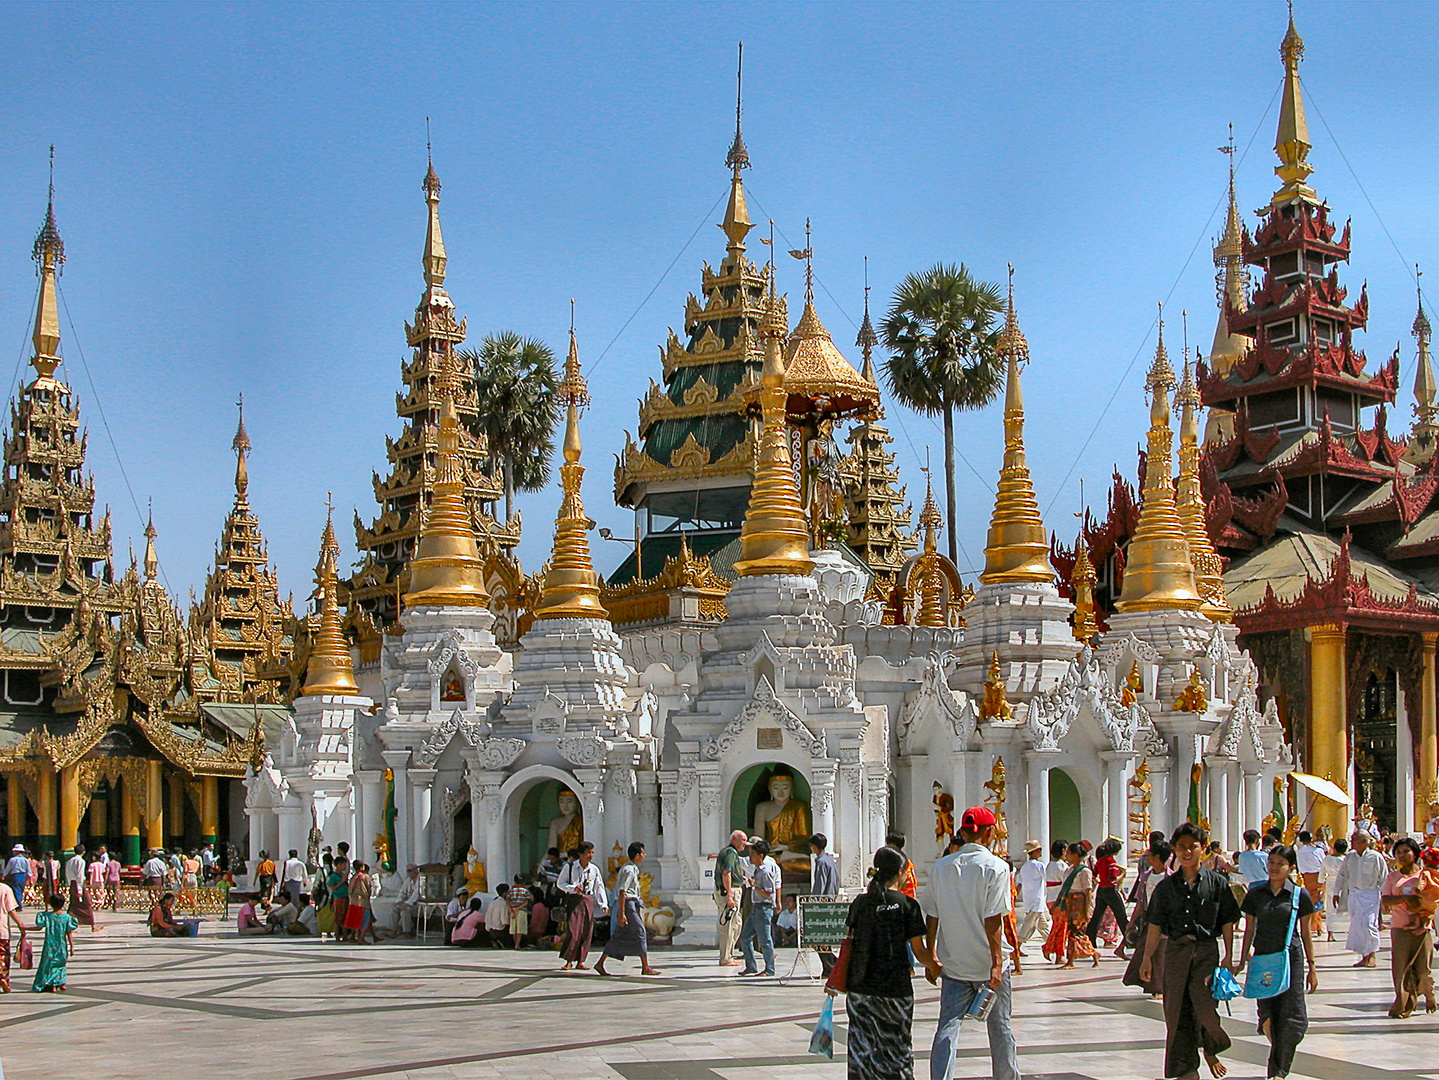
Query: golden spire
152,561
1291,140
446,570
1189,500
1082,580
931,586
1228,348
434,259
328,669
49,252
241,446
867,339
736,216
1424,387
571,589
775,536
1016,549
1157,573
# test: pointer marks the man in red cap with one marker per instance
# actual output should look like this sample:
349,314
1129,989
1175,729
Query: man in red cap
965,905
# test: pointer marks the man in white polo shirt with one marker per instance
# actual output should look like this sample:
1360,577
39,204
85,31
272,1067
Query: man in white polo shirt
965,905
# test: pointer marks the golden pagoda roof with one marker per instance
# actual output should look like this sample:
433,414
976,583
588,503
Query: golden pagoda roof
816,374
328,669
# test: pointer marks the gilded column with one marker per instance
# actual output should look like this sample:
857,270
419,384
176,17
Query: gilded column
15,807
69,808
1427,790
155,809
1328,724
45,812
99,823
129,825
176,812
209,810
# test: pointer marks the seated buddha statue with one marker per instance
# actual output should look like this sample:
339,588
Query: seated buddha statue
568,828
784,822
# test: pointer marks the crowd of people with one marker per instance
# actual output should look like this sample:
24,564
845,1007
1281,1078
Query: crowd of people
1177,926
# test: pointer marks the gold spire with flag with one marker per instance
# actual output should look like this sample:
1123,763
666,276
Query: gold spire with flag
1016,549
446,570
1291,140
1189,500
736,223
775,536
49,253
1157,572
1426,414
571,589
1229,348
328,669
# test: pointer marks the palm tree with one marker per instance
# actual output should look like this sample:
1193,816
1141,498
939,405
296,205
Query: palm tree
515,383
941,335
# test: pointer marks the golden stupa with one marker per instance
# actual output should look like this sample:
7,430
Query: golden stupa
328,669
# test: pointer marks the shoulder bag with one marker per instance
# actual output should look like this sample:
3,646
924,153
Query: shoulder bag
1269,972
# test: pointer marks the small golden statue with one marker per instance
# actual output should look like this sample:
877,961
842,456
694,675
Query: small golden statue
476,877
995,802
1129,695
995,705
943,815
1139,819
1193,698
382,849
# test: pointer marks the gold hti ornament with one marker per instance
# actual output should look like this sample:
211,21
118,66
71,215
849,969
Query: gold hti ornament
1016,549
571,589
1157,573
446,570
328,669
775,536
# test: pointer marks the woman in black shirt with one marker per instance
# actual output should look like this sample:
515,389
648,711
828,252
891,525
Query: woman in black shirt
882,922
1269,905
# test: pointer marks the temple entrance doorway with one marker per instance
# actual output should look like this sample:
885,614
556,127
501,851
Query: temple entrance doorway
1376,747
462,834
543,809
1065,822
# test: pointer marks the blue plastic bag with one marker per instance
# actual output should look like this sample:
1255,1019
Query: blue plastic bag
822,1040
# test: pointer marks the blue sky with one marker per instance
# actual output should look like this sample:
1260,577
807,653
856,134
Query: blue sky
239,193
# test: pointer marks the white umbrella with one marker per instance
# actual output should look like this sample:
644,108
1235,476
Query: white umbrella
1327,789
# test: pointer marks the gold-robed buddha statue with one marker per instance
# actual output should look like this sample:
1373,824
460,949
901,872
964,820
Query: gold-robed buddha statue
784,821
568,828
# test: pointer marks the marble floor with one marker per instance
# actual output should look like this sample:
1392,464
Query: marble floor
288,1009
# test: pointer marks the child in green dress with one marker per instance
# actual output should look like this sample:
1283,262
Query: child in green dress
58,928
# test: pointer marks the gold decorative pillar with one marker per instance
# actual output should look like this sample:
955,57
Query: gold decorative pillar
1426,791
49,834
155,809
129,824
209,810
1328,721
15,807
69,808
175,813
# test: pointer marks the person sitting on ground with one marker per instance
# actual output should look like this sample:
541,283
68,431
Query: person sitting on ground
455,911
469,932
787,923
251,920
282,915
307,922
497,916
162,918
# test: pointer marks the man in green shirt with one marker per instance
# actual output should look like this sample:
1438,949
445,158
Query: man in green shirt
728,886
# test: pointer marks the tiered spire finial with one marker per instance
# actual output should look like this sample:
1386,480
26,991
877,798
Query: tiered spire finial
434,260
1426,412
241,446
152,560
736,223
446,570
1291,140
867,338
1016,549
49,253
1231,279
1189,499
1081,581
328,669
1157,573
571,589
775,536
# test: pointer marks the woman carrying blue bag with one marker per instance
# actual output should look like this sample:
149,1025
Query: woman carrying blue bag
1278,931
